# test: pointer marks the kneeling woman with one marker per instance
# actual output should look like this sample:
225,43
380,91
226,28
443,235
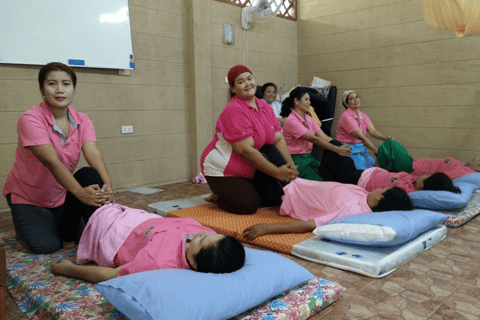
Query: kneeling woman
302,132
122,241
248,156
317,203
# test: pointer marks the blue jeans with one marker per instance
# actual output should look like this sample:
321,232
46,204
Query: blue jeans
44,229
361,157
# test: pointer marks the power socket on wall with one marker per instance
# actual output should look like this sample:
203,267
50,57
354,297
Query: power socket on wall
127,129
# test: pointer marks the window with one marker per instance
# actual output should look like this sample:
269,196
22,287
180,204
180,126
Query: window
288,8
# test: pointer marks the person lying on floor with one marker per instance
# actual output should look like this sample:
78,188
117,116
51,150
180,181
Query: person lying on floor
341,169
123,240
394,157
374,178
315,203
301,132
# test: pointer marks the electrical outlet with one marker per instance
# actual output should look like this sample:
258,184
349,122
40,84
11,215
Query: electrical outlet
127,129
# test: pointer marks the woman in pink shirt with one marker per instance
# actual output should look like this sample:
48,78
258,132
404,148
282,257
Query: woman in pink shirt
352,128
123,240
301,132
51,136
248,158
316,203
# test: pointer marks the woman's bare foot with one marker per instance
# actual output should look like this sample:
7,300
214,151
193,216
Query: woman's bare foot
62,267
68,245
212,198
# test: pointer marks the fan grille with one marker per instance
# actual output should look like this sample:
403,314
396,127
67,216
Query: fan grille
288,8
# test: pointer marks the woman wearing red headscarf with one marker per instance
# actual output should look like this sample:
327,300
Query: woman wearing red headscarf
248,159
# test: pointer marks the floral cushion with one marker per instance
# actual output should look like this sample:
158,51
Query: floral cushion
459,217
42,295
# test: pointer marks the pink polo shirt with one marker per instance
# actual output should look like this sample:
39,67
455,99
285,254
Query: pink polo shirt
349,122
29,181
380,178
116,235
294,128
238,121
452,167
322,201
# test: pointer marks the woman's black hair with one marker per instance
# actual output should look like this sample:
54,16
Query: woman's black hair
55,66
227,256
268,84
440,181
287,105
394,199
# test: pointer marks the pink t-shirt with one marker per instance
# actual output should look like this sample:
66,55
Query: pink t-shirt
322,201
381,178
238,121
349,122
295,127
29,181
138,241
452,167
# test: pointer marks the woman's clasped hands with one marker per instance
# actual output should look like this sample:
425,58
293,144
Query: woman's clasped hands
95,196
287,172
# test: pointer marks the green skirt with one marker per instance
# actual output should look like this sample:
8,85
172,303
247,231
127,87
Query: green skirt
307,166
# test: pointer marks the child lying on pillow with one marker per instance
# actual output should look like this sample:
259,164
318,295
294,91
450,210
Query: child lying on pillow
316,203
122,240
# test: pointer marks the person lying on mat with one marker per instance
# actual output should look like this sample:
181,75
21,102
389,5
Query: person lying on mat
352,128
269,95
123,240
301,133
41,187
248,157
316,203
392,156
374,178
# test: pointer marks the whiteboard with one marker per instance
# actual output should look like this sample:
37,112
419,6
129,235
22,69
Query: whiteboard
83,33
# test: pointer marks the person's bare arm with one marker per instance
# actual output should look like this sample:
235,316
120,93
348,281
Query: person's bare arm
94,158
376,134
246,150
258,230
324,142
47,155
366,142
90,273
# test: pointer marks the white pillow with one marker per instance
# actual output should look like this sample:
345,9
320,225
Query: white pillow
356,232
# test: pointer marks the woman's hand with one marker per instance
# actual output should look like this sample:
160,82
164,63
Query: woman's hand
256,231
108,192
391,138
287,172
93,196
344,150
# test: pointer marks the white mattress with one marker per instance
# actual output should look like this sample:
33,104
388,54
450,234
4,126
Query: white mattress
375,262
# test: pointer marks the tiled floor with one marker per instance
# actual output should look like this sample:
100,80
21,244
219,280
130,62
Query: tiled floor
441,283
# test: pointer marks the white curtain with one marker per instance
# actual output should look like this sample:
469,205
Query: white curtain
462,16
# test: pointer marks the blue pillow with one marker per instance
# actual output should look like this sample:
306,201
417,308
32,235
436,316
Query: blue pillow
473,178
443,200
382,229
187,294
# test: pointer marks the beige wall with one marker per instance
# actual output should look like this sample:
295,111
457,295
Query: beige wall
269,49
419,84
152,99
170,129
